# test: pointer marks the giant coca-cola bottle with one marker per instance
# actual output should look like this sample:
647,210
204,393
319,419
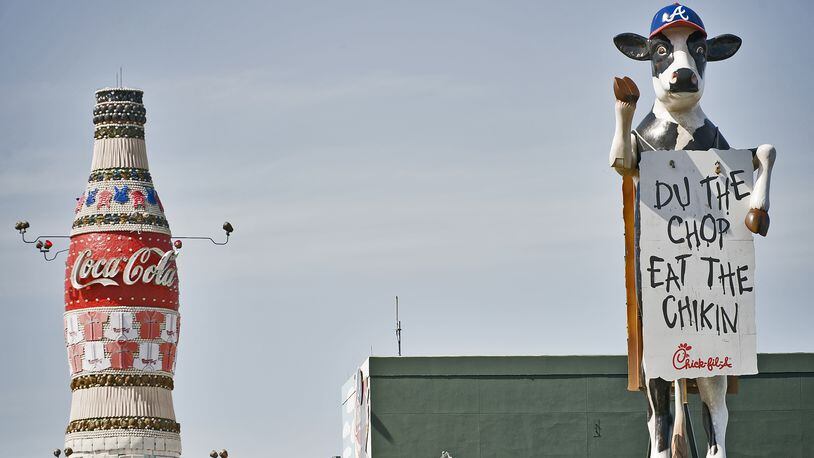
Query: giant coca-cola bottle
121,297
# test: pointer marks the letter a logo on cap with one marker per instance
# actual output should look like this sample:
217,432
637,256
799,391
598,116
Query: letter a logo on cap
679,11
675,15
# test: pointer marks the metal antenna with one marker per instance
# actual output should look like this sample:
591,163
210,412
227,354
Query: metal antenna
121,77
398,326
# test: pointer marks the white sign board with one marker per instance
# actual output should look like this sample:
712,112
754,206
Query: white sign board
697,264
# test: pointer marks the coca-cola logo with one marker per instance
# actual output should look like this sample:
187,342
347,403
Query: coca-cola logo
146,265
683,361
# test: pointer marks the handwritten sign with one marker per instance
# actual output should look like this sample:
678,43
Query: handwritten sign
697,264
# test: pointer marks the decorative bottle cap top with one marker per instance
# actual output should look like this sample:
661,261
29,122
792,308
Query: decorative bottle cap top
119,113
119,94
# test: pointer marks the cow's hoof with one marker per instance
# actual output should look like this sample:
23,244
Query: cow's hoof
757,221
625,90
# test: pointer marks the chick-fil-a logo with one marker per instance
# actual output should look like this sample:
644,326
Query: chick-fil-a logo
141,266
683,361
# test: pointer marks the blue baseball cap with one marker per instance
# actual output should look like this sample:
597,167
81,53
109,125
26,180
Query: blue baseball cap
675,15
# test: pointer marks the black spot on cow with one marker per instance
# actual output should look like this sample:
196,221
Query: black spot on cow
707,419
662,135
661,53
697,46
660,396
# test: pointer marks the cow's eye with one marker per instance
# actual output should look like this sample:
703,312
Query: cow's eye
661,51
700,50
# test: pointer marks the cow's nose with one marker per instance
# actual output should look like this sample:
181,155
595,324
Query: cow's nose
683,79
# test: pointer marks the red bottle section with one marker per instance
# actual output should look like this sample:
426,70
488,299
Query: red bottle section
121,269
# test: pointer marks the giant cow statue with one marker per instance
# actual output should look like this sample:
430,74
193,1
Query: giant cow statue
678,50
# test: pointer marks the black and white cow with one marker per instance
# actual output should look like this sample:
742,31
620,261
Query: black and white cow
678,57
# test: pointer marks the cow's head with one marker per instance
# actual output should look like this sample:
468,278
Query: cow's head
678,50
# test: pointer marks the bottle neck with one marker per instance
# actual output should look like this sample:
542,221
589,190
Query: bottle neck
127,153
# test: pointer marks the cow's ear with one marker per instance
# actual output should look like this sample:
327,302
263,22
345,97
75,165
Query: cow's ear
632,45
722,47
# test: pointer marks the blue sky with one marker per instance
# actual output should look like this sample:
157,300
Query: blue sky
453,153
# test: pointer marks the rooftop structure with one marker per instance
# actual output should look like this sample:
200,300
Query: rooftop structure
524,406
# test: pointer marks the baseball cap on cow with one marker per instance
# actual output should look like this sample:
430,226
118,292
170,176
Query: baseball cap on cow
675,15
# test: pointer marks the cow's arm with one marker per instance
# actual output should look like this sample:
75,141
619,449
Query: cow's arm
623,148
757,220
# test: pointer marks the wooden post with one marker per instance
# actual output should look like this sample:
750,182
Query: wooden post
634,321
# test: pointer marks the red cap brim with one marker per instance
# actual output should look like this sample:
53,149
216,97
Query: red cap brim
681,22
